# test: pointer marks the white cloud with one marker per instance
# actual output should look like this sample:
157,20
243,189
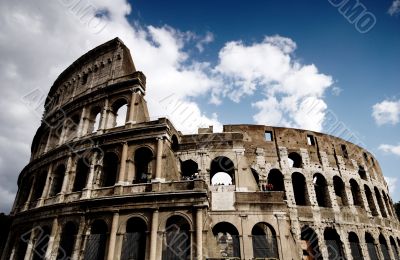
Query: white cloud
386,112
39,39
293,92
392,184
394,8
394,149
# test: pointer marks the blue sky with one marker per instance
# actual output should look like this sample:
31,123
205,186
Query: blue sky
223,61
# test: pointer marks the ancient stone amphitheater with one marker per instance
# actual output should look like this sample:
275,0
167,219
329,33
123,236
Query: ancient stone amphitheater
106,182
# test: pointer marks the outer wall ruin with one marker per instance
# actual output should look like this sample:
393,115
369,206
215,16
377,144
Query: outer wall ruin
106,182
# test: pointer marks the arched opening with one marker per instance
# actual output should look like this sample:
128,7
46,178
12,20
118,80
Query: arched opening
355,246
94,120
227,240
310,246
57,181
386,200
340,191
177,239
300,189
42,241
356,192
96,243
222,170
384,247
72,126
175,143
380,202
275,180
394,248
333,244
118,113
370,241
370,200
134,243
24,190
22,245
43,143
295,160
189,169
362,173
81,175
110,169
321,191
40,182
264,241
143,159
67,241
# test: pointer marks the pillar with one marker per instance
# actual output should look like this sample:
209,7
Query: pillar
63,132
29,248
199,233
46,188
51,246
113,236
132,110
64,188
78,240
153,235
89,184
28,200
104,116
160,143
122,168
82,122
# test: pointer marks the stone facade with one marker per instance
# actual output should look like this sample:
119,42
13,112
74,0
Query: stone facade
106,182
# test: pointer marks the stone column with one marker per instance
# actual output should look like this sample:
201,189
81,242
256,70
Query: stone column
65,184
89,184
48,141
132,110
31,242
63,132
113,236
78,240
153,235
51,246
122,169
28,200
82,123
103,117
160,144
46,188
199,233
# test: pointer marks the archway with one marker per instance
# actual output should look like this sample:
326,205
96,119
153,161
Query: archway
333,244
96,243
370,241
275,179
380,202
177,243
370,200
58,177
321,191
355,246
134,243
81,174
143,159
221,168
67,241
295,160
42,240
110,169
311,251
189,169
227,240
340,191
384,247
264,241
356,192
300,189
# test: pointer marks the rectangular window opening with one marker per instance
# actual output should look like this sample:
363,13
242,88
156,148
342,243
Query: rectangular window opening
344,151
268,136
310,140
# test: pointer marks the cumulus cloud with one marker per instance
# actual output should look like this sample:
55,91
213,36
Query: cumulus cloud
393,149
38,39
293,92
394,8
386,112
392,183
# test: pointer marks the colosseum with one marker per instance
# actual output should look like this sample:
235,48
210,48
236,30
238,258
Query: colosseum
106,182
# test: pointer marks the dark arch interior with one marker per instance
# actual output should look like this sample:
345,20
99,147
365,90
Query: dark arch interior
189,168
177,239
264,241
321,190
81,174
256,176
312,248
175,143
300,189
275,178
333,243
40,182
143,157
340,191
384,247
57,181
222,164
355,246
380,202
296,159
394,248
373,254
97,241
134,243
362,172
227,238
370,200
355,191
67,241
110,169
